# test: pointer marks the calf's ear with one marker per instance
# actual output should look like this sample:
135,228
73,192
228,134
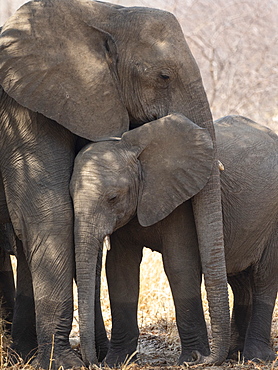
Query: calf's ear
176,159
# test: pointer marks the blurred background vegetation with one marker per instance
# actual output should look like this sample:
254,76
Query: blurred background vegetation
235,43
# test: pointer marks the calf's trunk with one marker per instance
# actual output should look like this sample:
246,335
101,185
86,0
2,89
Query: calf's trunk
87,248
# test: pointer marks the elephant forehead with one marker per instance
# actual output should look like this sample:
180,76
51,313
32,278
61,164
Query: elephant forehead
105,158
99,155
151,25
149,20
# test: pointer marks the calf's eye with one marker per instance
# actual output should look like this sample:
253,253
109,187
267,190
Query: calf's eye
112,198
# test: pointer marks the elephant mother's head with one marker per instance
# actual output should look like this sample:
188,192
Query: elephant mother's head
82,63
95,68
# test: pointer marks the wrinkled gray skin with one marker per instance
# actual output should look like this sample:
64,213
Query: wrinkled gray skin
18,305
137,176
7,288
119,65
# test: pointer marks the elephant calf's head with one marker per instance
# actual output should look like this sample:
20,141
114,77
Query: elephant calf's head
105,185
151,170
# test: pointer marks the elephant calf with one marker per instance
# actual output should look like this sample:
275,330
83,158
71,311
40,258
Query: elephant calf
125,189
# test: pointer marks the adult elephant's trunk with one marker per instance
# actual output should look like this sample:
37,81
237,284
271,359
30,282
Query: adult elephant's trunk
87,247
208,218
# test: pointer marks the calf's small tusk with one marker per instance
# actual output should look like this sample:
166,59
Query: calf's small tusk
106,242
221,166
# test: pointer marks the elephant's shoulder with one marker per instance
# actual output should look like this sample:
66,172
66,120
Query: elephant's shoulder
234,126
237,134
248,151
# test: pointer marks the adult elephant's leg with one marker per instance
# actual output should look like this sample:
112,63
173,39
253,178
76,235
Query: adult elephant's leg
36,178
122,269
265,278
242,291
24,334
183,268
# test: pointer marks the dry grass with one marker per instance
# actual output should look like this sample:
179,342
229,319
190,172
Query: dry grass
159,342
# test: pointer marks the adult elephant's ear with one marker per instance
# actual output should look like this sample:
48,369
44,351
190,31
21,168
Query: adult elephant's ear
56,61
176,158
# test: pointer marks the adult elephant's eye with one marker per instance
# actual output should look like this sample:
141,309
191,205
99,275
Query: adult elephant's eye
164,76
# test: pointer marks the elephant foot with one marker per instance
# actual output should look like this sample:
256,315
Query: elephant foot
122,351
25,343
189,355
102,349
25,353
235,351
258,351
235,355
192,356
66,359
117,357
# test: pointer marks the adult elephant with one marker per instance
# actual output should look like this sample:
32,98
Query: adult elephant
73,69
140,175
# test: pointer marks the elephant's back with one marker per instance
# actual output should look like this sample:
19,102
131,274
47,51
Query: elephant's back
249,153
